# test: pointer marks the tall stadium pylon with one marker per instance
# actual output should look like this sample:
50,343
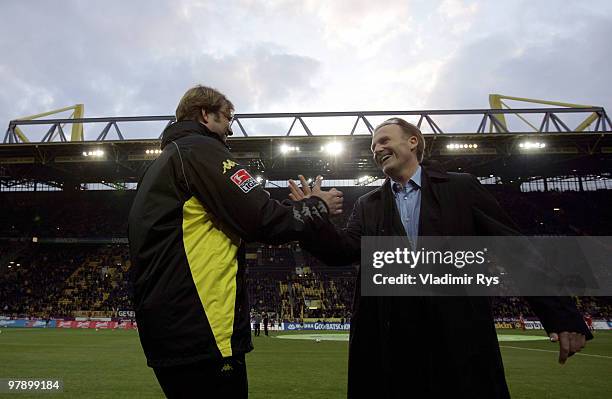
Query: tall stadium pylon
77,128
496,102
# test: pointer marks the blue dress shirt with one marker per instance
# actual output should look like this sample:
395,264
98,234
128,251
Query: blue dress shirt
408,202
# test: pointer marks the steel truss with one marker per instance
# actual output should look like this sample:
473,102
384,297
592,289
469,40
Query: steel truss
492,121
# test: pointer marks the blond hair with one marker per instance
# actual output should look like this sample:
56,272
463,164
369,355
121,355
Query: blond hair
198,98
409,130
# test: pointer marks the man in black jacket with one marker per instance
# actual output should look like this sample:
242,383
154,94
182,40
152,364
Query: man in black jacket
194,209
428,347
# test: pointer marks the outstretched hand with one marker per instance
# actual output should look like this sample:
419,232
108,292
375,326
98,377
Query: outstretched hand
332,198
569,343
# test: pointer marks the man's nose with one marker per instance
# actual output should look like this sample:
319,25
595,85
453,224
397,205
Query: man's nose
377,149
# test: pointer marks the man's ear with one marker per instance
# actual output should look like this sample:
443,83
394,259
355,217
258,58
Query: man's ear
204,115
414,142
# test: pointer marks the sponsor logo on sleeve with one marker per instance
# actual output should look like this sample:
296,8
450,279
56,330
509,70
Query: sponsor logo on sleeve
244,180
321,206
315,212
297,216
306,211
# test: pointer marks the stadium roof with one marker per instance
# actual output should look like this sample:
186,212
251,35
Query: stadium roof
493,144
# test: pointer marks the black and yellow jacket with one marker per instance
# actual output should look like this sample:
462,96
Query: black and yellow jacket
194,208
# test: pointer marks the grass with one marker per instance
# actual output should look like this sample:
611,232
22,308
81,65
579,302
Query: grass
102,364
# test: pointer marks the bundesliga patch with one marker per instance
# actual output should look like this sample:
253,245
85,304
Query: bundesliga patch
244,180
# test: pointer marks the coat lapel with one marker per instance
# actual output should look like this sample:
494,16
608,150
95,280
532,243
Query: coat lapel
430,220
392,224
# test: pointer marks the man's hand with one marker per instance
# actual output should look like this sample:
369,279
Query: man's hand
332,198
569,343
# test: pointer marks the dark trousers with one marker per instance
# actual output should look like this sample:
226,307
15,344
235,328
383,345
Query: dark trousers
257,329
225,378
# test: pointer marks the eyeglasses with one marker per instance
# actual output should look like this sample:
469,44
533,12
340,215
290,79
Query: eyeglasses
228,116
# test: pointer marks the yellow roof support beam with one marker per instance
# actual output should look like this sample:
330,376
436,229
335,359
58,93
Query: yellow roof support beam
495,101
77,128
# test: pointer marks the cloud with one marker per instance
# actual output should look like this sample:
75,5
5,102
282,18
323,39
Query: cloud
458,14
362,24
118,65
137,58
564,68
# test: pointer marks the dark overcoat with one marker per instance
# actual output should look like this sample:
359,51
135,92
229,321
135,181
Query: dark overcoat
429,347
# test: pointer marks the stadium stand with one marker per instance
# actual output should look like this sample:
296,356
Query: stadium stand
65,255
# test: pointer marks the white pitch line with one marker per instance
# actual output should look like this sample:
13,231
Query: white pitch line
545,350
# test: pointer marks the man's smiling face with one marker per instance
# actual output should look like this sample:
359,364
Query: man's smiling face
393,149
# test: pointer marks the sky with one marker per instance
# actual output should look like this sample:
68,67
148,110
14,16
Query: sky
135,58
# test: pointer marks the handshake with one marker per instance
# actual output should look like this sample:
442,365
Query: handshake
333,198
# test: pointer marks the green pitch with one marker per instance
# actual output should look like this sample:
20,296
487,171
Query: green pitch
110,364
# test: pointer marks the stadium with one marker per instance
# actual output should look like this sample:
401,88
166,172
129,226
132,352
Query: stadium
66,309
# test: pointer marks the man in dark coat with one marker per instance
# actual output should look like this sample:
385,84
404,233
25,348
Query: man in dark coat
426,347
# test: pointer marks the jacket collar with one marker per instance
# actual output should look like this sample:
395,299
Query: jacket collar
181,129
415,180
431,170
435,170
429,221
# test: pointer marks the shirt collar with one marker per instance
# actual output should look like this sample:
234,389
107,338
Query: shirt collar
415,180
